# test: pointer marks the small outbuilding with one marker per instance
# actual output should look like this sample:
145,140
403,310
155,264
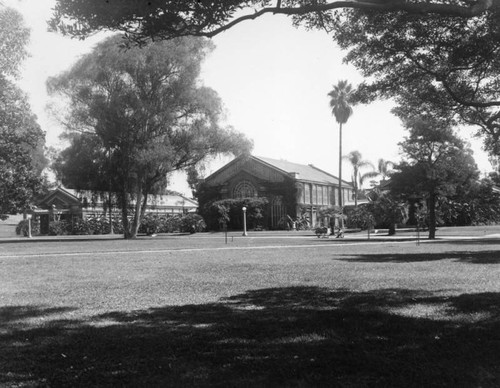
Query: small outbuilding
69,204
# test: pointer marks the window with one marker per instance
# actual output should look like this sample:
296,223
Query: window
244,189
320,195
307,193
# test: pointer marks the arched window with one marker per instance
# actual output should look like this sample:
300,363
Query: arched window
244,189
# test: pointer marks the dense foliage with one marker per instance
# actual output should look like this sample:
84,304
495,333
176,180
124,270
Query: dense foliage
447,67
164,19
14,36
151,224
228,213
21,139
476,203
361,217
137,115
436,163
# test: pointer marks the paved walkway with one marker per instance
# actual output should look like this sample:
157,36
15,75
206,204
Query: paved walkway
402,235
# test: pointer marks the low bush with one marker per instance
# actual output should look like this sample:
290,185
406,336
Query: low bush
192,223
188,223
360,218
321,231
22,228
153,223
229,212
59,228
82,227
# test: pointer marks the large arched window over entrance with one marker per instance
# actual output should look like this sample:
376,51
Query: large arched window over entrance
244,189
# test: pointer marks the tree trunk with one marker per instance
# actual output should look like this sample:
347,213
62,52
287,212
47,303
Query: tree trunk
125,221
355,184
341,220
110,212
355,196
136,221
432,215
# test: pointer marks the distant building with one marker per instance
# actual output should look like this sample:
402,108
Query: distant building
68,204
290,188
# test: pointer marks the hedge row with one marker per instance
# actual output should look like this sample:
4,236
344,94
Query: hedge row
188,223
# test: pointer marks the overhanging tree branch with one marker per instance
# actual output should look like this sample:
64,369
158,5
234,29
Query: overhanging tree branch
163,19
476,9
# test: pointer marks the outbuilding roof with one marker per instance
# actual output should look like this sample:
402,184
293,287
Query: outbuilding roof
73,196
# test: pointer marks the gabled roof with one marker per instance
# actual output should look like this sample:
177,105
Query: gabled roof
299,172
305,172
63,196
59,196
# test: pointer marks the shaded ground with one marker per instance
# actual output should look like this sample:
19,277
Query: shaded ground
297,336
336,315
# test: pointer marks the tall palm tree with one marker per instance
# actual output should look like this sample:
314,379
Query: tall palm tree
357,163
340,100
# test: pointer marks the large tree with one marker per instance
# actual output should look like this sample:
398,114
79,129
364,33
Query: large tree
21,139
445,66
14,36
21,151
163,19
435,163
138,115
444,52
474,203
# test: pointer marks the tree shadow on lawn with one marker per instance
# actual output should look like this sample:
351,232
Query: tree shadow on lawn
298,336
469,241
472,257
9,314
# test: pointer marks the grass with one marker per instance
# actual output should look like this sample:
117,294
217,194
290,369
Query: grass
269,311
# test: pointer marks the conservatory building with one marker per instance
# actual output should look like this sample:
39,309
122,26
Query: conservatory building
291,189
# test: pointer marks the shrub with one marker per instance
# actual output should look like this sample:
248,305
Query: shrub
230,211
96,225
361,217
117,225
152,223
171,224
81,227
22,228
321,231
59,228
192,223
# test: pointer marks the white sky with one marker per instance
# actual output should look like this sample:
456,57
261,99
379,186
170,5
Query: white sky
273,79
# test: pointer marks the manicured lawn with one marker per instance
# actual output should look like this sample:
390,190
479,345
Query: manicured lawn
270,310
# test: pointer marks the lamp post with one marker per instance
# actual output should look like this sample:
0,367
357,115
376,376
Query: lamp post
28,217
244,221
110,198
